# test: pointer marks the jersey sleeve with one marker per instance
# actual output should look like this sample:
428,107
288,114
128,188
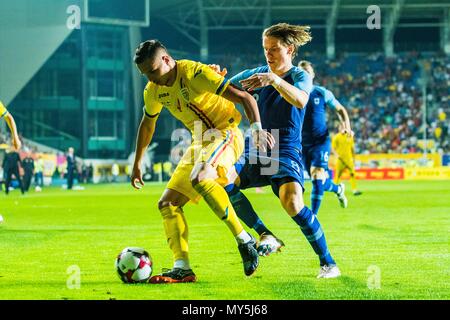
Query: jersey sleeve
3,110
245,75
152,107
206,79
330,99
303,81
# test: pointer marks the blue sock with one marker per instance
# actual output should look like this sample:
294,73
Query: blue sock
330,186
316,195
245,211
313,232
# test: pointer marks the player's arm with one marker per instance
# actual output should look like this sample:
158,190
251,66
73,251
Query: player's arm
261,138
152,109
13,129
341,112
297,94
344,118
211,79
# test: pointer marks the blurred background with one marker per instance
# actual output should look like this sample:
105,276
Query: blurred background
67,76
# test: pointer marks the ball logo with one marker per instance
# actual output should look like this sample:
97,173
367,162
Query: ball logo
316,100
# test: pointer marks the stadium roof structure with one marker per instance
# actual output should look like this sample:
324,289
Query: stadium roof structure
195,18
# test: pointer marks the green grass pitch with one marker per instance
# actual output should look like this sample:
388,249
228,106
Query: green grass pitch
396,230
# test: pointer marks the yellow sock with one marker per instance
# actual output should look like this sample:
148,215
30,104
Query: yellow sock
353,181
176,231
217,199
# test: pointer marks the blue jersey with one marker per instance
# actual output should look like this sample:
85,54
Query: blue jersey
275,111
315,128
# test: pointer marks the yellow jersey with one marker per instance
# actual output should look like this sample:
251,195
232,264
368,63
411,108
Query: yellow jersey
195,97
3,110
343,145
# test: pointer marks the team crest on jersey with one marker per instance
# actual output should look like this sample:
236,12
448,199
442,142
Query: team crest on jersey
256,96
316,100
185,94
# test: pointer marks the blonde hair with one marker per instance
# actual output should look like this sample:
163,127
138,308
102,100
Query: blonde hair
290,35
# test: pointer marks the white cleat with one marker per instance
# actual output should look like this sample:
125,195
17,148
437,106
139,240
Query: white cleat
269,244
329,272
341,196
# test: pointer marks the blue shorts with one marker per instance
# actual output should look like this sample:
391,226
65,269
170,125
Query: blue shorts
317,155
274,170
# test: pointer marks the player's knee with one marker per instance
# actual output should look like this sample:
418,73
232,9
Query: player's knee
292,203
164,203
318,174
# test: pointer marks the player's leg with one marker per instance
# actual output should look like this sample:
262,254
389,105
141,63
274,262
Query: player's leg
351,168
340,168
290,192
203,180
176,229
216,159
268,243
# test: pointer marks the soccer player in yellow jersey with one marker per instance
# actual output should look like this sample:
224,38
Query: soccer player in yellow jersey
204,102
12,126
344,148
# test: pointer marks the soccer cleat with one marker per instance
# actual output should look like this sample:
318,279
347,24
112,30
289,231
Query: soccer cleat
268,244
341,196
329,271
250,257
176,275
357,193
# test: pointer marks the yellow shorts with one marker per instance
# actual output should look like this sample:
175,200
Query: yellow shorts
222,153
342,164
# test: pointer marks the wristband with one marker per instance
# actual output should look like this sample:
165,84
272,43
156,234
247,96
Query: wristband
277,81
256,126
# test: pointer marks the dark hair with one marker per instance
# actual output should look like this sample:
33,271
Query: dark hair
147,49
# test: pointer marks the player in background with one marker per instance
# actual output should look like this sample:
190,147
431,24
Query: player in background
11,125
204,102
282,91
316,141
344,148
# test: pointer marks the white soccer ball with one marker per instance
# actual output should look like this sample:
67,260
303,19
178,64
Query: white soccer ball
38,189
1,218
134,265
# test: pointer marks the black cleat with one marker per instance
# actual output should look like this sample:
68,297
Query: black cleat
250,257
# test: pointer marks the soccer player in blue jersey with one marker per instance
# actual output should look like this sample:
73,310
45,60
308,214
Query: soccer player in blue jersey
282,91
316,141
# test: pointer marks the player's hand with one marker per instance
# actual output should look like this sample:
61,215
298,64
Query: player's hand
263,140
216,68
136,178
16,143
258,80
348,132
